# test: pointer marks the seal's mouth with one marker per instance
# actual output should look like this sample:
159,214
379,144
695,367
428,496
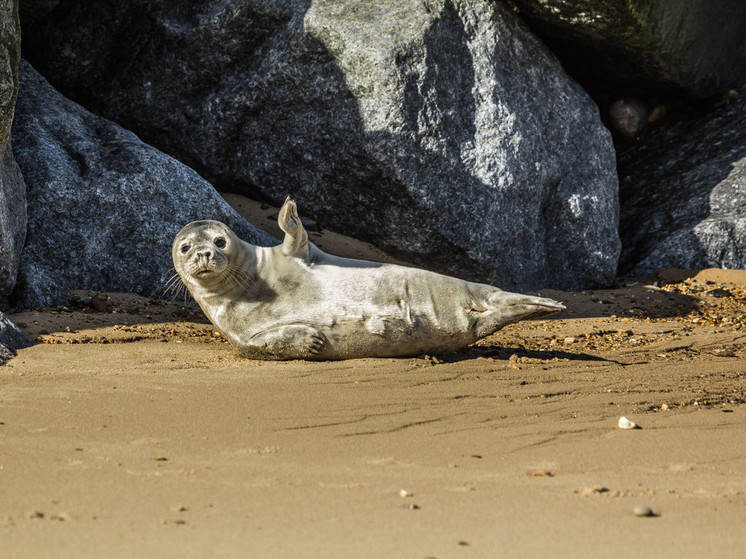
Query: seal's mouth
204,269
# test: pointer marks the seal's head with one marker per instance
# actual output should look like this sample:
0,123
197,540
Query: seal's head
204,253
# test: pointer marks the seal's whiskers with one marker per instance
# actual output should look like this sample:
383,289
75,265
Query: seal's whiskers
235,275
176,286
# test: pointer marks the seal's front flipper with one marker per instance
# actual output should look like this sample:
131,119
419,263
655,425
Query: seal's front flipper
294,341
296,239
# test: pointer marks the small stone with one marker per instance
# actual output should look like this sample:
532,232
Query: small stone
542,473
82,302
588,491
642,510
664,407
625,423
628,117
719,293
404,494
98,302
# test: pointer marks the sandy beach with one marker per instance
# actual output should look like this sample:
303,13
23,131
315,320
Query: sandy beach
131,428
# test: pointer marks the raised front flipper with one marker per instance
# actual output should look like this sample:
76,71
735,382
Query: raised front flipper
295,243
294,341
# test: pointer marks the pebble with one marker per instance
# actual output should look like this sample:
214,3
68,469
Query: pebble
542,473
642,510
625,423
588,491
404,494
628,117
719,292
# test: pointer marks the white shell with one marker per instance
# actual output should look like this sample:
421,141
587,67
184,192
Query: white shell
404,494
642,510
625,423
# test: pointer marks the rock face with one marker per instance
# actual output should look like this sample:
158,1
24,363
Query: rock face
696,47
12,188
12,219
103,206
11,339
684,195
34,9
442,131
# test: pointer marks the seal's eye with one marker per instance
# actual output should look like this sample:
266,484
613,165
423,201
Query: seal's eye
185,248
219,242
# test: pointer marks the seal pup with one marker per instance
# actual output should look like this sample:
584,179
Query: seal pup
294,301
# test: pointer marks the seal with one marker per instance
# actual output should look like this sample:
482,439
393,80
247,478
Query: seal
294,301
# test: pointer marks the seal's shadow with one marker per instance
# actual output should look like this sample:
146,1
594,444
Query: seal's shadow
502,353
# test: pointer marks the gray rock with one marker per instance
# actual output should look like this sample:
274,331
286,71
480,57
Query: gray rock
11,339
697,47
12,188
683,194
442,131
103,207
12,220
10,52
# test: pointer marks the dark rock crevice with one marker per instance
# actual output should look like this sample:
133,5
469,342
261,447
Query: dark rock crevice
683,194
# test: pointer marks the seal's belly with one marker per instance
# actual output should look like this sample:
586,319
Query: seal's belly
389,336
386,312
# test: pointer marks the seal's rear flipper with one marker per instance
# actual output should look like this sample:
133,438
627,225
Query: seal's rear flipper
540,305
295,243
506,308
